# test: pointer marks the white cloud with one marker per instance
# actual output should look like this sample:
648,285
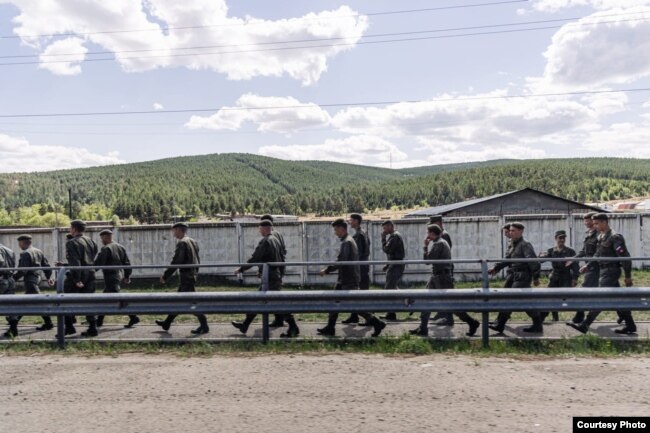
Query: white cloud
228,36
17,154
615,51
358,149
626,140
65,65
280,120
557,5
446,153
158,106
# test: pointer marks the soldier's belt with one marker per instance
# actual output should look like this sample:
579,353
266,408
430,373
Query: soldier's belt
609,265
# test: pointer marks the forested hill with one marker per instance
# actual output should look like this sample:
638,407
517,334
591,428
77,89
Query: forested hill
213,184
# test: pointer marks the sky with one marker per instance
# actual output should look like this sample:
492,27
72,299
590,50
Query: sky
380,83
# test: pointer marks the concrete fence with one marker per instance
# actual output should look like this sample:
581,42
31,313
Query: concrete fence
313,241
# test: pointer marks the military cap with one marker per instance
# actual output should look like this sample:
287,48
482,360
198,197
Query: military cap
180,225
105,232
435,218
385,223
560,233
80,224
24,238
340,222
356,216
434,228
266,223
589,215
267,217
506,226
600,217
519,226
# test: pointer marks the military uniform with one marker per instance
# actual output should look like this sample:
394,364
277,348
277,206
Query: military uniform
393,246
8,285
448,318
348,279
114,254
186,253
522,276
34,258
561,275
278,318
363,245
441,278
270,250
590,278
80,251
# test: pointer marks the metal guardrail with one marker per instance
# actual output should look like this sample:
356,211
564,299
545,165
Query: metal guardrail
483,300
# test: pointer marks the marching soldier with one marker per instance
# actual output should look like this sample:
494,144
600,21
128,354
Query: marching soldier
508,282
523,274
392,244
8,285
590,271
562,275
448,318
80,251
436,248
278,321
363,245
114,254
348,278
268,250
186,253
610,244
31,257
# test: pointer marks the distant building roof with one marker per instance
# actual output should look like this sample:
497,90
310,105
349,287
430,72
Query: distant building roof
529,201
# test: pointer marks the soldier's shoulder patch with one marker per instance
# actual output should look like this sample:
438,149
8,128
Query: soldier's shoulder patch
620,249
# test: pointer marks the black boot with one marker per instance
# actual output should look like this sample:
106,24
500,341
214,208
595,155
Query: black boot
99,322
13,329
330,329
537,327
243,326
500,324
203,325
133,320
630,326
164,324
378,325
390,316
447,319
354,318
578,317
278,321
293,330
90,332
47,324
556,316
437,316
421,331
473,326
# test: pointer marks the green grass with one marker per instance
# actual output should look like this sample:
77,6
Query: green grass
405,345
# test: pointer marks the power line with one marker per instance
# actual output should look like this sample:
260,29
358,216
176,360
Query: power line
199,47
330,105
167,28
313,46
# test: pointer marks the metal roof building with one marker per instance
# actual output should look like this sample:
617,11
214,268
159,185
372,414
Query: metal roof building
523,201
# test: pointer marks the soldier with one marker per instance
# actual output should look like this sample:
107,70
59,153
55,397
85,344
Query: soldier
508,282
278,320
268,250
186,253
436,248
523,274
348,278
392,244
8,285
610,244
363,245
114,254
31,257
590,270
562,275
447,318
80,251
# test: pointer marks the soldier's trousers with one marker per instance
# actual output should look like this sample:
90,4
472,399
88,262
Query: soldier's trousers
557,281
364,284
89,287
187,284
112,286
442,281
8,287
520,280
609,277
274,286
590,280
393,276
333,317
31,288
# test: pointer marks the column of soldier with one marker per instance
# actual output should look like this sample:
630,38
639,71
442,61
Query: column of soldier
81,250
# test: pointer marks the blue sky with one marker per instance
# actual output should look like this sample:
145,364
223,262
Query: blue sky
608,49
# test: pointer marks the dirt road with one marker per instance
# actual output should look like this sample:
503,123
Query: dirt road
314,393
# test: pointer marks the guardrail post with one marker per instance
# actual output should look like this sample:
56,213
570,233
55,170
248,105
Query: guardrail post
265,316
485,334
60,319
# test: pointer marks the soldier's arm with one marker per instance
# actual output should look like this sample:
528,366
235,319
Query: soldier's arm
24,261
622,251
180,257
343,256
74,259
126,262
259,255
388,245
534,267
102,257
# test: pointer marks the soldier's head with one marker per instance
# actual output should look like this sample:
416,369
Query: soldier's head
77,227
24,241
106,236
434,231
265,227
388,227
601,222
506,230
179,230
355,221
437,220
516,231
588,222
340,227
560,238
266,217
